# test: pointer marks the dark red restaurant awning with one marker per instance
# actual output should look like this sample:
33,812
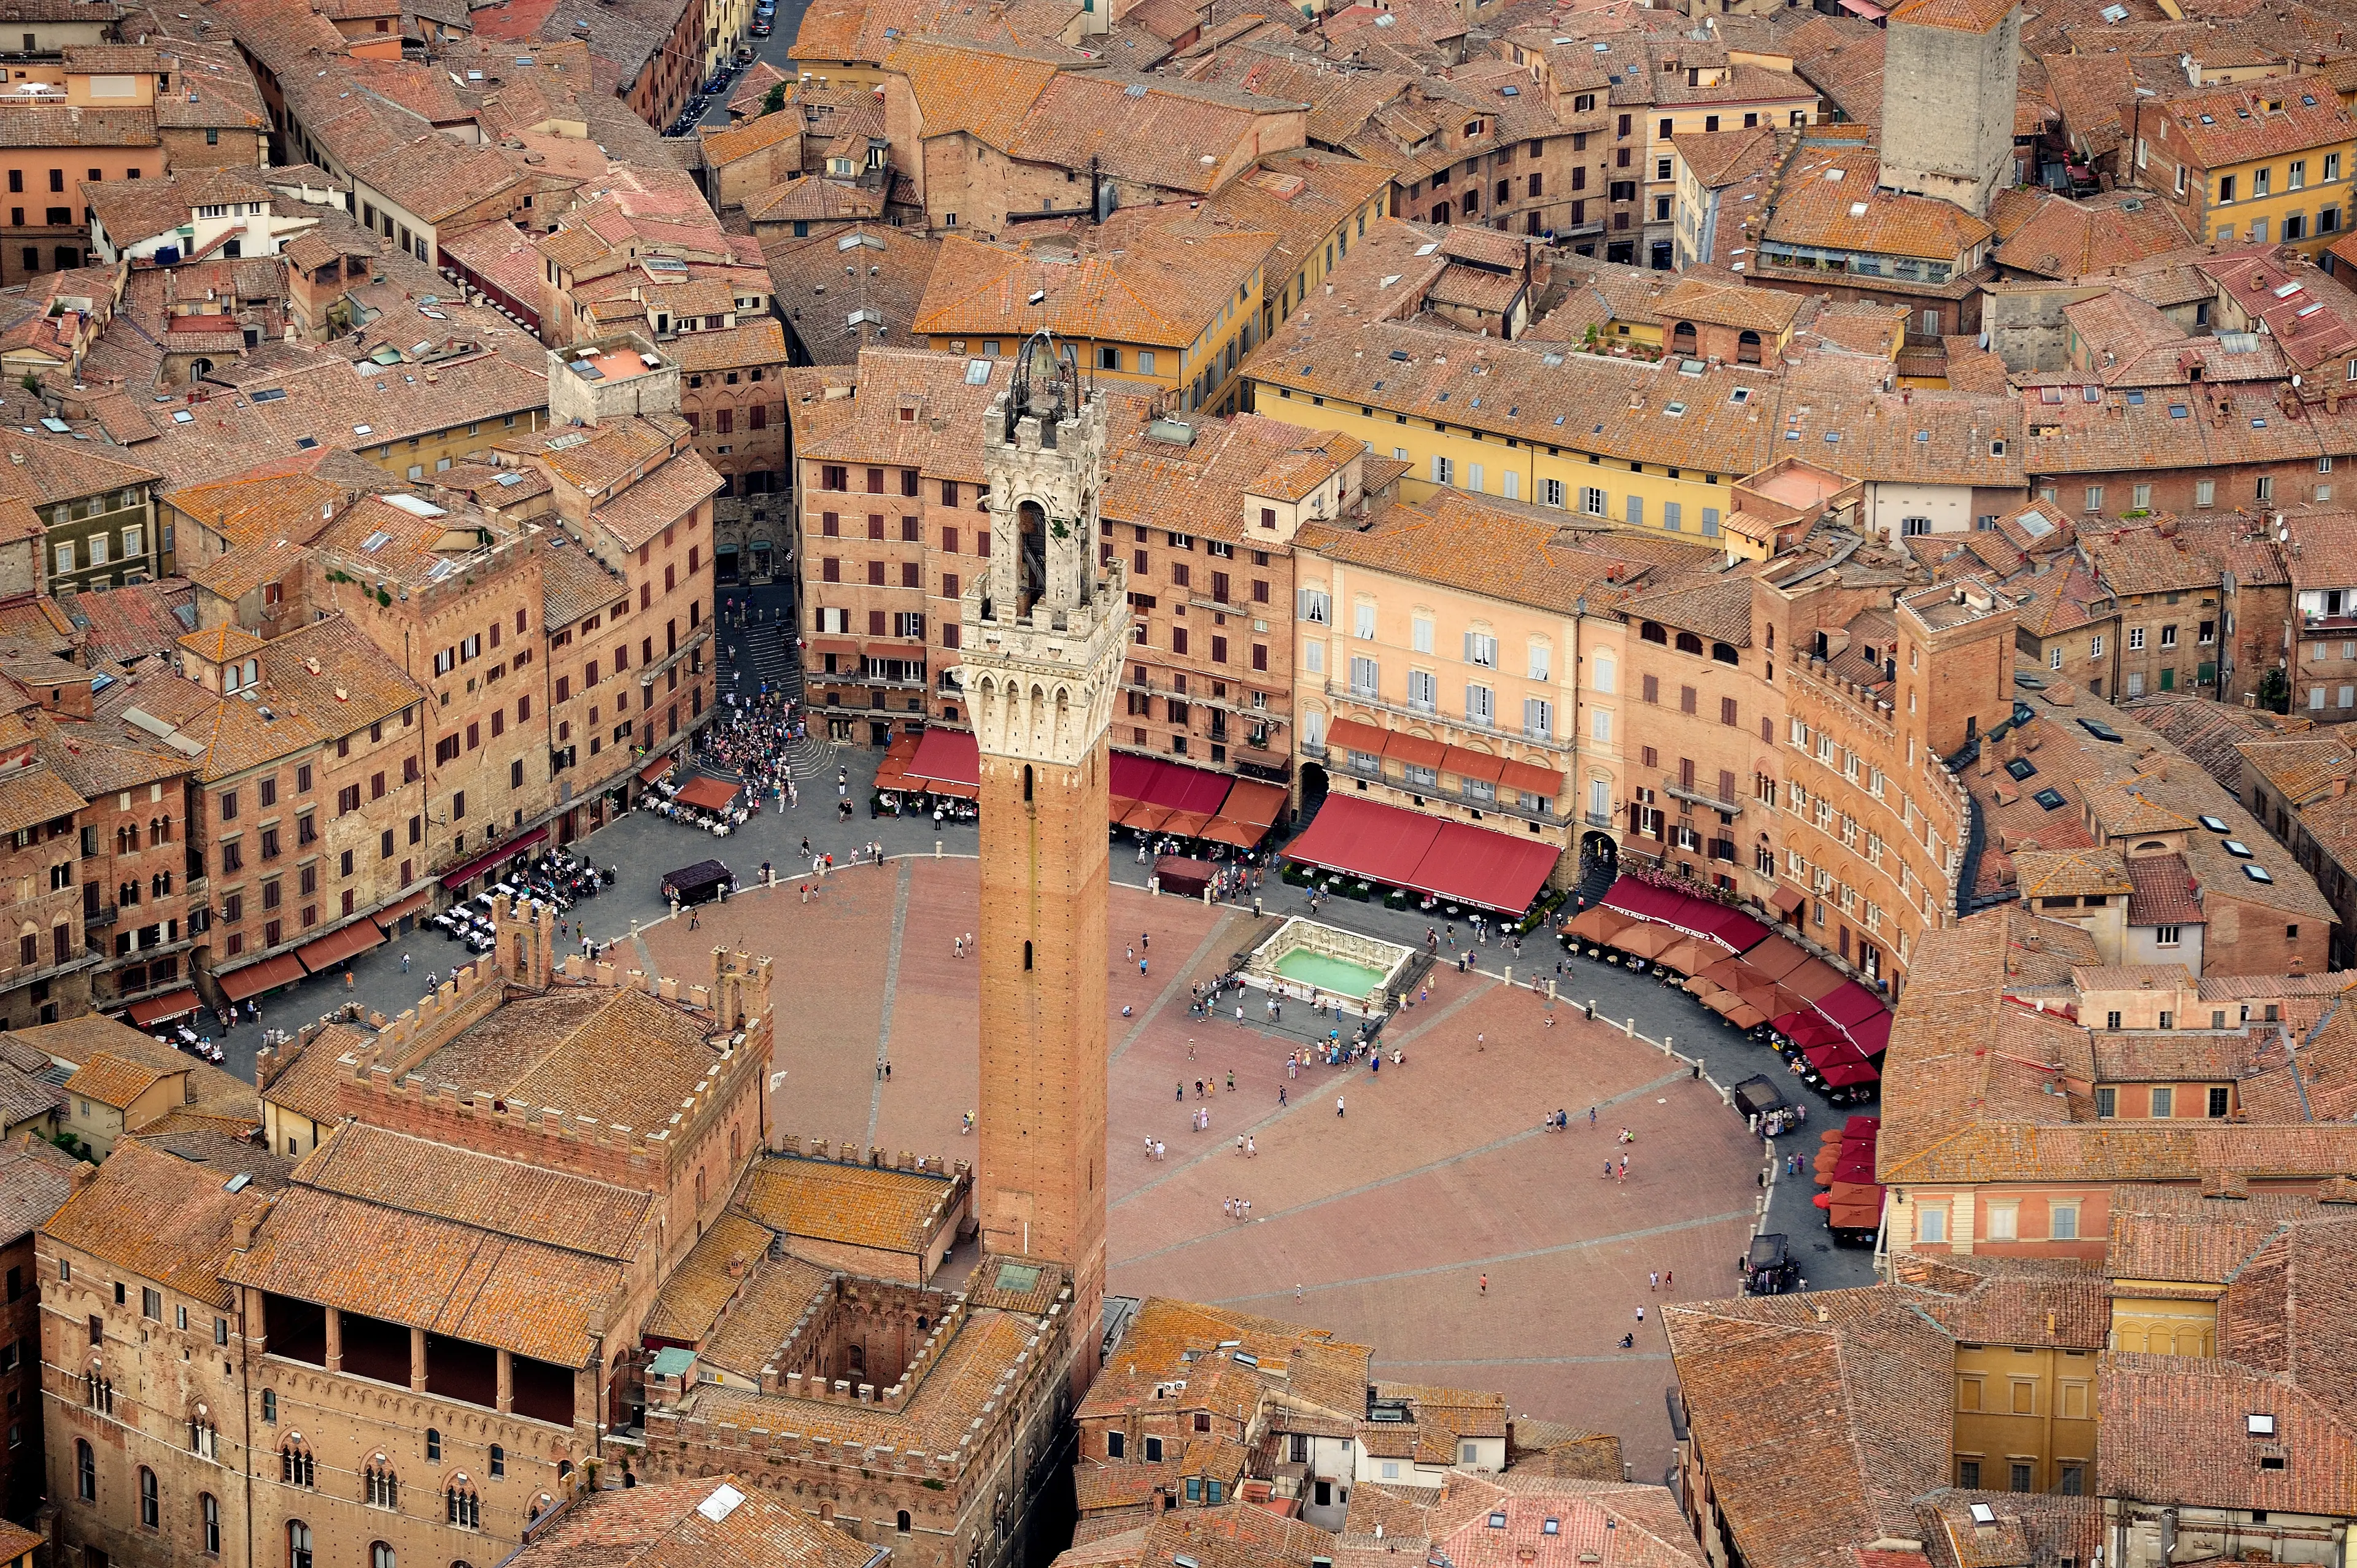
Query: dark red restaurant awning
391,915
484,862
336,946
155,1009
947,757
256,977
708,794
1404,849
658,768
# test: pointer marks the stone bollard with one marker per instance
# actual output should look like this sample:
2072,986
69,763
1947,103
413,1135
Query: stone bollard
1591,1009
1551,996
674,909
1665,1046
937,849
1154,887
1207,898
634,928
1629,1028
1256,906
1510,974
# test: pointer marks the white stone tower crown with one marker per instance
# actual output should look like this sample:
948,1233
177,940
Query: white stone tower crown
1045,627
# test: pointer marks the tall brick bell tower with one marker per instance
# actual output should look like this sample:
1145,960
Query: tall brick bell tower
1043,638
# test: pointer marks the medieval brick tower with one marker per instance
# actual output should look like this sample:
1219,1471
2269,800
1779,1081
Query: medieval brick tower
1043,639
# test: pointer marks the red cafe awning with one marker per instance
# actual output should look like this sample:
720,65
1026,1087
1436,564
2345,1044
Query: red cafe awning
1448,860
1353,735
1472,764
708,794
947,757
256,977
1242,835
1541,781
1415,751
155,1009
835,645
336,946
1253,804
391,914
658,768
483,862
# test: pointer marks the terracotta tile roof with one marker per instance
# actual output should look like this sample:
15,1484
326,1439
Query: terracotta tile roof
693,1292
160,1209
814,199
1852,214
2164,893
675,1527
2252,121
1137,282
78,1040
395,1171
27,1097
306,1083
71,126
1961,1103
1718,158
900,263
2062,238
36,1176
2179,1234
2180,1427
126,625
1963,16
112,1081
621,1056
572,583
1202,488
34,796
2048,873
775,1293
1528,554
888,1211
1169,1340
431,1274
1852,1412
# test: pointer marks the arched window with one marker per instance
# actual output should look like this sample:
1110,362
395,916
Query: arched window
298,1544
461,1506
1652,631
900,1521
433,1444
499,1460
85,1472
1747,347
380,1555
1689,643
380,1487
1683,339
1723,654
295,1465
209,1522
151,1502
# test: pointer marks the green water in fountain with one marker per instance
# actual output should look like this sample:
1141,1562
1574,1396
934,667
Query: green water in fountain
1338,975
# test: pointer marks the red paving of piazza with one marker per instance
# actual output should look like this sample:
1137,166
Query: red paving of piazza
1384,1219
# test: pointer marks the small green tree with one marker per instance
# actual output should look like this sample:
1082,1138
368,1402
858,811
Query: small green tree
2275,691
776,100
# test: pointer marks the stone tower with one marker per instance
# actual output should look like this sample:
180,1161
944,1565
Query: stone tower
1948,84
1044,634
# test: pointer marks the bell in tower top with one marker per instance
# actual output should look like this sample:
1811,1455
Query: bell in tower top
1044,460
1055,395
